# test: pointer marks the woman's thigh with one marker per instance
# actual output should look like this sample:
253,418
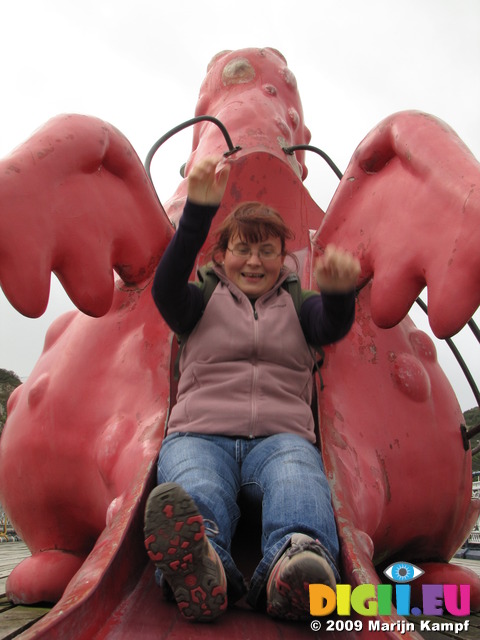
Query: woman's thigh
206,468
286,473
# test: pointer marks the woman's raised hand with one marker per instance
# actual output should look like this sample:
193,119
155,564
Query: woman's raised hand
337,270
207,181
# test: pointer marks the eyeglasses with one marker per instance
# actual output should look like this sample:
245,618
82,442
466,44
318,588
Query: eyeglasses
244,251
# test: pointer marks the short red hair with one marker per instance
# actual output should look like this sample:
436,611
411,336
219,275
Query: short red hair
252,222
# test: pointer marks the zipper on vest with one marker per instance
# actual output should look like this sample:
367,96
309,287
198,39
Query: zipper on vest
253,417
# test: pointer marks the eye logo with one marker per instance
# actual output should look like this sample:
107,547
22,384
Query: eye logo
403,572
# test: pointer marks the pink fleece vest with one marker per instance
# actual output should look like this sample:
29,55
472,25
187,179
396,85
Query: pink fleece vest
244,373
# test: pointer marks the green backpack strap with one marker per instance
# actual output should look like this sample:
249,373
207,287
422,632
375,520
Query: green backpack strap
292,285
207,281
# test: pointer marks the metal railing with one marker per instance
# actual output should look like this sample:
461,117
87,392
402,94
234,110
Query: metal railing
7,532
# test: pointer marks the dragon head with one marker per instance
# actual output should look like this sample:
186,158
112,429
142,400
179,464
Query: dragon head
254,94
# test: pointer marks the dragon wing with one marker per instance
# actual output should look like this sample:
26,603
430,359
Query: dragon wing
76,201
408,206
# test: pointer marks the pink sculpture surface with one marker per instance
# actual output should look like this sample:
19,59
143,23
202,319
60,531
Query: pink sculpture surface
78,452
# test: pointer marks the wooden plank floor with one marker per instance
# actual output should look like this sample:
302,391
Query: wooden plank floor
16,619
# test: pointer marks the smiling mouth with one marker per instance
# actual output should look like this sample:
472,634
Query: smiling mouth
252,275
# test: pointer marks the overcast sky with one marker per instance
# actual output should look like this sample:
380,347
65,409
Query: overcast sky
139,63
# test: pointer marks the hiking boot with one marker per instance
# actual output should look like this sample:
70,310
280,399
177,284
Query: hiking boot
302,564
176,542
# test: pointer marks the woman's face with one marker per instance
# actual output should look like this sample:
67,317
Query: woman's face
254,267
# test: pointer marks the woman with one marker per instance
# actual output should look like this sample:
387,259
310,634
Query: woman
242,425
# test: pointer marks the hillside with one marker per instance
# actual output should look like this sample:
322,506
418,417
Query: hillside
8,382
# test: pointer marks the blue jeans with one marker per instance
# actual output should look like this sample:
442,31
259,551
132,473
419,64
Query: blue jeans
283,473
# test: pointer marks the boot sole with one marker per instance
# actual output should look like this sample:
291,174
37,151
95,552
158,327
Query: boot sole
175,541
